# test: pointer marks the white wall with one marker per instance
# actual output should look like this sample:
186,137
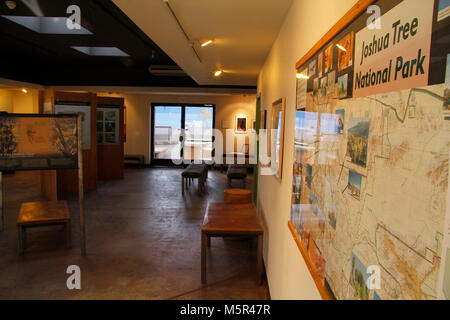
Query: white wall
306,22
13,100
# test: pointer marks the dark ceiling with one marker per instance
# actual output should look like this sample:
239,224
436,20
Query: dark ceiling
48,59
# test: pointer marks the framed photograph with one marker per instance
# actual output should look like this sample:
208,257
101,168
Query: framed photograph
107,126
241,124
277,128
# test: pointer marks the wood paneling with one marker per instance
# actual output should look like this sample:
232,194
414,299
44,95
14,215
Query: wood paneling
110,157
68,179
353,13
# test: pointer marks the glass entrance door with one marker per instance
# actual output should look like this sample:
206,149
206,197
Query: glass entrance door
198,123
167,126
194,122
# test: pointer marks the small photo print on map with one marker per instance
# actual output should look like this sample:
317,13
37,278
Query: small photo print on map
328,58
446,111
323,86
345,55
312,68
358,278
341,119
331,88
320,64
343,86
357,141
354,184
315,86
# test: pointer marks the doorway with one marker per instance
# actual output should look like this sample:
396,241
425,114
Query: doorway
181,132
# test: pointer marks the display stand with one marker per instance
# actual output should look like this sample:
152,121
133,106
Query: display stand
56,151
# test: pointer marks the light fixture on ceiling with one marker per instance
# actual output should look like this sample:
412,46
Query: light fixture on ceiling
341,47
24,90
188,38
218,73
11,4
302,76
207,43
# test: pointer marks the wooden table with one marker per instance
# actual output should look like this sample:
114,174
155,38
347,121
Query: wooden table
231,219
39,214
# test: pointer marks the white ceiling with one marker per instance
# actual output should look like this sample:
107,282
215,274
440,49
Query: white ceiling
243,30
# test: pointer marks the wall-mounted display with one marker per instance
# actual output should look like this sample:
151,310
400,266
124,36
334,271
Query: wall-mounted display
71,108
277,139
107,125
371,152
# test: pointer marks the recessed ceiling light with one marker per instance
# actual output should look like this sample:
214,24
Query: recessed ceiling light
102,51
47,25
204,44
218,73
24,90
341,47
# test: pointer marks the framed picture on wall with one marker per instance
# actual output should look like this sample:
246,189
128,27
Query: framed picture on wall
241,124
277,136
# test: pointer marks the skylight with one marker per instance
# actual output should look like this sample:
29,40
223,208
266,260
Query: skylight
47,25
102,51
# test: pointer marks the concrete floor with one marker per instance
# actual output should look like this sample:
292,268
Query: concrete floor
143,242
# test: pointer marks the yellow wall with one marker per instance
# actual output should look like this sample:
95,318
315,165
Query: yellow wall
138,114
15,101
305,24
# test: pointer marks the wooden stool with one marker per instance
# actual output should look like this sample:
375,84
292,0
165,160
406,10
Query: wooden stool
39,214
237,196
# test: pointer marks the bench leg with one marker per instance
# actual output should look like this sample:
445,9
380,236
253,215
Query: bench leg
203,266
259,260
68,235
20,240
182,186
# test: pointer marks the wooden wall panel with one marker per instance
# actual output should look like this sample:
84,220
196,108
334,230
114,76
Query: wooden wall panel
110,157
68,179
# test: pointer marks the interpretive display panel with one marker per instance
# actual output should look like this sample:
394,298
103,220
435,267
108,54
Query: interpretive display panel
38,142
370,184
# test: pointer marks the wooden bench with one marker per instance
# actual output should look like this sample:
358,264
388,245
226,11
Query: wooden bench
236,172
194,171
136,157
40,214
228,220
237,196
